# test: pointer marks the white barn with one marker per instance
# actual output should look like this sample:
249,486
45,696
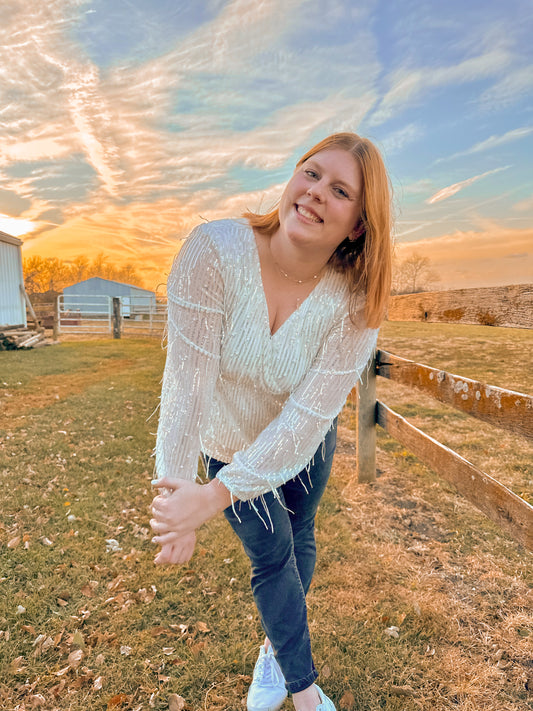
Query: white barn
12,299
86,296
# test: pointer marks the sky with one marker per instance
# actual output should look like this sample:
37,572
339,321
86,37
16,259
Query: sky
123,123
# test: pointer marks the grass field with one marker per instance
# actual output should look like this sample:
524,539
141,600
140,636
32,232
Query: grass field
418,602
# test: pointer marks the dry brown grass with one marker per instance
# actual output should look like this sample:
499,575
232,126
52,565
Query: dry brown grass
404,551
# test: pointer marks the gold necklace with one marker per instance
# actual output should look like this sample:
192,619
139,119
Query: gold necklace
297,281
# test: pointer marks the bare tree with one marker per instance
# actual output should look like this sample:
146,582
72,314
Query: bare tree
413,274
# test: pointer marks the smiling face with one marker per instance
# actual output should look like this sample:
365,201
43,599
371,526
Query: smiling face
321,204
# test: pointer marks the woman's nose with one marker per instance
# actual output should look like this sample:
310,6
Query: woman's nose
315,191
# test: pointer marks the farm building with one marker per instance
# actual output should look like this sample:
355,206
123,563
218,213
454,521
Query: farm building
12,298
89,296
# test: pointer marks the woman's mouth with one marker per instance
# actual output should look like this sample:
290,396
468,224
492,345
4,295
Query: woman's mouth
308,214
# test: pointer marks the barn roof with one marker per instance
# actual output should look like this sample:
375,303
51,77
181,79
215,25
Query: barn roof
4,237
111,281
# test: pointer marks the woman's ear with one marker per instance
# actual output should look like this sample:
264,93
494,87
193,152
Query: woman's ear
357,231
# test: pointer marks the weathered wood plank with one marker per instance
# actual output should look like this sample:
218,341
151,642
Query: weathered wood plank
503,408
366,424
495,500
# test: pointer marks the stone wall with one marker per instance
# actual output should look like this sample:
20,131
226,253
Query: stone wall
510,306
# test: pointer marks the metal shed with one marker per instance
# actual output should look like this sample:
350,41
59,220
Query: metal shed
89,295
12,299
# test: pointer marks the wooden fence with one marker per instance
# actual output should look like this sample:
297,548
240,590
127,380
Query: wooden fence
504,408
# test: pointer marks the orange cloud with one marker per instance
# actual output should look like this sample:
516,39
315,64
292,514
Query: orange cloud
492,257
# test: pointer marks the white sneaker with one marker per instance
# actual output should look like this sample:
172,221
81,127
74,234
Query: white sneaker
267,691
325,704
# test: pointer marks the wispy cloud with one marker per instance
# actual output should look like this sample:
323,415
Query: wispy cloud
492,142
451,190
398,140
514,85
408,85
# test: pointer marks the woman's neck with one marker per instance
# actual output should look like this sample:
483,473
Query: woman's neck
297,265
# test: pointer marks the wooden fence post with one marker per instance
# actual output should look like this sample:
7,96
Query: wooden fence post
116,317
56,325
366,424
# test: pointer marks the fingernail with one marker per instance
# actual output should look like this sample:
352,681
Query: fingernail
154,481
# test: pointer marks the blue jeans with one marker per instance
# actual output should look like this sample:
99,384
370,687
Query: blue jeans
283,560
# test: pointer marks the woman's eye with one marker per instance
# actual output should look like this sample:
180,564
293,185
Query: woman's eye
311,173
341,192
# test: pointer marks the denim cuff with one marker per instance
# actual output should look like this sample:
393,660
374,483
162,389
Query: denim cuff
294,687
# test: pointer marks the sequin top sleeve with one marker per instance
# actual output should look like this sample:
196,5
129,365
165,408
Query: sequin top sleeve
195,309
285,447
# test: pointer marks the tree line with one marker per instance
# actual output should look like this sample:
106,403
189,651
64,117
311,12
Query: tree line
42,274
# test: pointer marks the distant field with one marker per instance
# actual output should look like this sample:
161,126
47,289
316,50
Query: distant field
419,602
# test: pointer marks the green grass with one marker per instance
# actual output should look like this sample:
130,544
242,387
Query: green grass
75,467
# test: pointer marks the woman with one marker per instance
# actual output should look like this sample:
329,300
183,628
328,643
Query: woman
272,320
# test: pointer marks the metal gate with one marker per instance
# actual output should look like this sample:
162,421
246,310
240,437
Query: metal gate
139,316
84,314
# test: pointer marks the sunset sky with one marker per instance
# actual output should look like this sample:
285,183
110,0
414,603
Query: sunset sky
123,123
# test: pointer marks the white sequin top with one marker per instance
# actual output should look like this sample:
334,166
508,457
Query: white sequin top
262,403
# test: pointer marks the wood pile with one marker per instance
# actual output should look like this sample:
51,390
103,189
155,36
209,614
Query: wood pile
14,338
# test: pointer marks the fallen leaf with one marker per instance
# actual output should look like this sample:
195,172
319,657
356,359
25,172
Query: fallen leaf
168,650
116,584
196,647
347,702
401,691
117,700
176,703
63,671
18,665
77,639
97,684
100,659
89,588
392,632
147,596
20,609
157,631
13,543
125,650
202,627
74,658
325,672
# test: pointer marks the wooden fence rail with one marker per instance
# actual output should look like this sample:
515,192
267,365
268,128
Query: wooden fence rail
500,407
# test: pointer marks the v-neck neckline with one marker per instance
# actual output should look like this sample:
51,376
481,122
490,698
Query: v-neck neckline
259,275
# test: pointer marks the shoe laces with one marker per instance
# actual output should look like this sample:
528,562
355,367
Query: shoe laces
265,670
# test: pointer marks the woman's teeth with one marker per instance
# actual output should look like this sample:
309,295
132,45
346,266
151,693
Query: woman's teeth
309,215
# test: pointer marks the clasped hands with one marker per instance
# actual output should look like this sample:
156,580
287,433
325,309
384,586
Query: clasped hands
178,511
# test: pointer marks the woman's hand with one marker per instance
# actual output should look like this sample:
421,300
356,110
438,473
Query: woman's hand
184,507
177,553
